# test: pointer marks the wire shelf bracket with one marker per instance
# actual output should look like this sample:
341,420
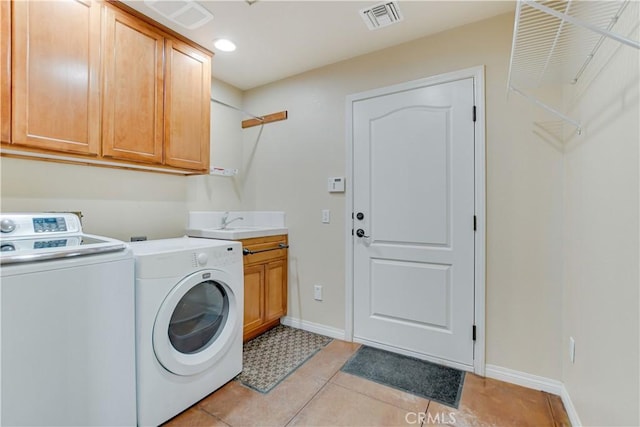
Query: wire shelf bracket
555,40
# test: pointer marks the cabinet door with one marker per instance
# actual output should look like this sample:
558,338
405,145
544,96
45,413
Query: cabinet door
56,64
253,297
133,88
275,290
187,106
5,71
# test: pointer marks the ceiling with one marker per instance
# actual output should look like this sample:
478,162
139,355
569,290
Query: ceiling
278,39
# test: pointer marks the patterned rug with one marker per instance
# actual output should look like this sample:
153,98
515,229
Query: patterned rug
272,356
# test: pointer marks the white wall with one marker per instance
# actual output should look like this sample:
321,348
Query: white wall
116,203
601,302
289,163
216,192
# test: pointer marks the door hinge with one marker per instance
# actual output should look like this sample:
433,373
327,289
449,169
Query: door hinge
474,332
475,223
474,113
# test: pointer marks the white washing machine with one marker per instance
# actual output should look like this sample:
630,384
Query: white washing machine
67,324
189,313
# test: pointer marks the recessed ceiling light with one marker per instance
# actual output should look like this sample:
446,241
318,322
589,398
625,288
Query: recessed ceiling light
224,45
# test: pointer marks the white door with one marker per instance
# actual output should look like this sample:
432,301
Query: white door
413,188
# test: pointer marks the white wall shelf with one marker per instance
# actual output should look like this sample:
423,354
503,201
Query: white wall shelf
215,170
554,42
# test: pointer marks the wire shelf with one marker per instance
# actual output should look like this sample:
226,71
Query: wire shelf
554,42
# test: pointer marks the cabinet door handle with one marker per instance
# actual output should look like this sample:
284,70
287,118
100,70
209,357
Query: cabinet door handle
247,251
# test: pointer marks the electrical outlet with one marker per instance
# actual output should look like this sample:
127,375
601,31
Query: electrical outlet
572,349
317,292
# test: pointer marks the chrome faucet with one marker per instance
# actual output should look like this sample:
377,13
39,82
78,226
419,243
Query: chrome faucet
225,222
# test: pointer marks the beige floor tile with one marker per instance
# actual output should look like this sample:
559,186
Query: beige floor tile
488,402
329,360
386,394
194,417
238,405
338,406
319,394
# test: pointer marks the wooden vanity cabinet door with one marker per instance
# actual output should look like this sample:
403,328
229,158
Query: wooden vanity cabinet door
56,69
275,290
5,71
265,284
133,89
187,106
253,298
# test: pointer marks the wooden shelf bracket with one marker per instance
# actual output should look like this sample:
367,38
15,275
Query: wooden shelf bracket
269,118
255,120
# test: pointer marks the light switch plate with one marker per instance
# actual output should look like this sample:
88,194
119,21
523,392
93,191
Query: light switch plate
326,216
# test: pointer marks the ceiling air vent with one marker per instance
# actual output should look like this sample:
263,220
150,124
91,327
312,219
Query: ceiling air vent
381,15
186,13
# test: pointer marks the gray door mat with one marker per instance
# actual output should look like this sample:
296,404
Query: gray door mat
419,377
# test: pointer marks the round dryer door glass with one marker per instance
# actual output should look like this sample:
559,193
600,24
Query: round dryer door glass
199,317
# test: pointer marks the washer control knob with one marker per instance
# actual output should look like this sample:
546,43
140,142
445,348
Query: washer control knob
202,258
7,226
7,247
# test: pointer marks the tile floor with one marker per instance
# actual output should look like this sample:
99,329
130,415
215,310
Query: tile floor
318,394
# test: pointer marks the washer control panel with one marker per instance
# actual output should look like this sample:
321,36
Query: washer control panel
29,225
49,225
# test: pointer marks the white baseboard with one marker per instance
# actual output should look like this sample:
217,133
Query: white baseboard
314,327
537,383
571,410
524,379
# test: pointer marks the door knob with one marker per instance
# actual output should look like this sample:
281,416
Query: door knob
360,216
360,233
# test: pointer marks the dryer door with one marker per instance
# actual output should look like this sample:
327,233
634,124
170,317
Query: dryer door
197,323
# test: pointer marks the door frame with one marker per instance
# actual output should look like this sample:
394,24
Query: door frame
477,73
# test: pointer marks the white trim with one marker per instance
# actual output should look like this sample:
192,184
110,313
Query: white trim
524,379
316,328
348,230
477,73
91,161
536,382
571,410
480,237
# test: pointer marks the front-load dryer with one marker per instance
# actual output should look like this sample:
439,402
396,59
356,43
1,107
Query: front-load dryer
189,305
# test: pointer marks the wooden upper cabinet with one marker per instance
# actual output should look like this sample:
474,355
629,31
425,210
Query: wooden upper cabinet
92,77
55,74
187,106
5,71
133,89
